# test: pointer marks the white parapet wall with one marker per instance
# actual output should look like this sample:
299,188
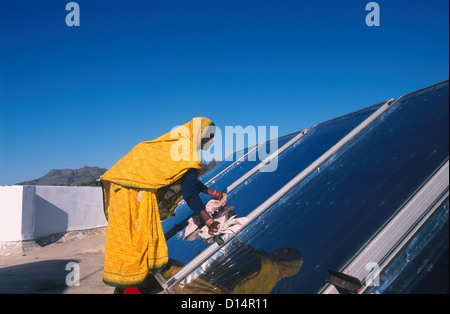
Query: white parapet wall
12,213
33,212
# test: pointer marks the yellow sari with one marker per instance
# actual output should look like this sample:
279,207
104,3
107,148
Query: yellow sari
135,199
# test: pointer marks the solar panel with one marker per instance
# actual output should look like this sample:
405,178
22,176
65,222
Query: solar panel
258,187
326,218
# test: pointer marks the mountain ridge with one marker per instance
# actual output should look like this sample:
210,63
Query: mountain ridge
85,176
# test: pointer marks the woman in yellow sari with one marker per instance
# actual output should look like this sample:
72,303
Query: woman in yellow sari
143,188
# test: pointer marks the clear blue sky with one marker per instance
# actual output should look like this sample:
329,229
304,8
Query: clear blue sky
76,96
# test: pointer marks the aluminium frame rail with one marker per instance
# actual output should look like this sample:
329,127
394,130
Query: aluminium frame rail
208,252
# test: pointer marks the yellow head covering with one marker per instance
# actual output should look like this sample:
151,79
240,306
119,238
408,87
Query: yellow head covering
158,163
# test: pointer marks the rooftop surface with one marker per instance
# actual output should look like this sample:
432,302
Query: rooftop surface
44,270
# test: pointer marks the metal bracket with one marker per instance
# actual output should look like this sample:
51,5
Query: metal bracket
344,284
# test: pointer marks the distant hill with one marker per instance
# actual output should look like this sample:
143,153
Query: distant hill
86,176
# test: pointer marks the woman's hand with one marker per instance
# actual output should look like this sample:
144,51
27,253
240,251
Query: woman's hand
215,194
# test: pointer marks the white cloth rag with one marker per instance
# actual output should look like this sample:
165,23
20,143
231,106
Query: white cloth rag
230,226
194,222
227,226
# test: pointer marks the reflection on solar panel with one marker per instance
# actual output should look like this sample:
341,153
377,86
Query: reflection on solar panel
356,195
